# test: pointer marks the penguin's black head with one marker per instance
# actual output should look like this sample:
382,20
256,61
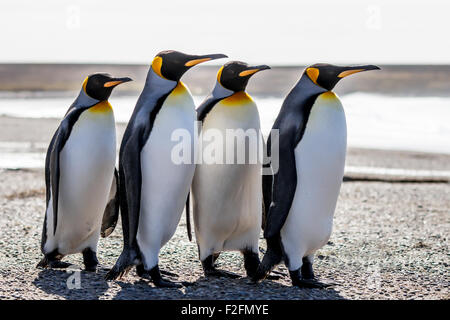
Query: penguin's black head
100,85
172,64
327,75
234,75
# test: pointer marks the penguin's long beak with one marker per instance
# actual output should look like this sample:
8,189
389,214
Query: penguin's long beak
116,81
200,59
355,69
253,69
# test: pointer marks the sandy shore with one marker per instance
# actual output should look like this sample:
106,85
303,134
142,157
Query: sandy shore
35,134
390,238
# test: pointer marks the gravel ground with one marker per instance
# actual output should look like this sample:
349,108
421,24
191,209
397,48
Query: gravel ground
390,241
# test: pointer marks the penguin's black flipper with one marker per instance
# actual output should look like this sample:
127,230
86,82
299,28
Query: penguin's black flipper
283,189
267,181
131,180
52,169
278,194
111,214
47,191
188,217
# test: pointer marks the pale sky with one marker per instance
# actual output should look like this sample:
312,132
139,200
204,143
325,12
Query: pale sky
275,32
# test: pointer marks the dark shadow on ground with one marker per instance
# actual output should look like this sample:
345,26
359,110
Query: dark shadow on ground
81,285
144,290
221,289
72,283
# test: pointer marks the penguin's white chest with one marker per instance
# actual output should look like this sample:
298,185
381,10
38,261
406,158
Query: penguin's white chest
227,196
165,181
86,171
320,161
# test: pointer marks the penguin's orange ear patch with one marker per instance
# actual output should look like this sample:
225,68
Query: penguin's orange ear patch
156,66
219,74
313,74
84,84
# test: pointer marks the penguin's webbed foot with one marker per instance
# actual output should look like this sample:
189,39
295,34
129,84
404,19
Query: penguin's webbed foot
155,275
117,273
281,274
260,275
43,263
126,261
310,283
210,270
90,260
252,263
53,261
273,277
141,272
169,274
161,283
272,257
57,264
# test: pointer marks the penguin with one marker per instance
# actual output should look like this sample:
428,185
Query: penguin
154,188
227,196
80,177
300,197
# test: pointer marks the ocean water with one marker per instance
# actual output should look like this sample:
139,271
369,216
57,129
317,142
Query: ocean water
374,121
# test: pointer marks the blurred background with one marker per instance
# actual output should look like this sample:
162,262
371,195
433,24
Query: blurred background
398,118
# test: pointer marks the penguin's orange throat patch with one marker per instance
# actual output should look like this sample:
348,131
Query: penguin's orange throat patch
101,107
329,95
180,89
238,98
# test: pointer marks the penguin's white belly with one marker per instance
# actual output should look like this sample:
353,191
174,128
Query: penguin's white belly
227,197
320,161
165,184
86,172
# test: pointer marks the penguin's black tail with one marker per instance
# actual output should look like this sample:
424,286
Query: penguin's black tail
127,259
188,217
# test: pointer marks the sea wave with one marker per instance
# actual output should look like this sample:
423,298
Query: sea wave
374,121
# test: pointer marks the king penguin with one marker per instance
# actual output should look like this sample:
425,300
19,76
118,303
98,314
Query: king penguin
300,197
153,187
80,176
227,196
